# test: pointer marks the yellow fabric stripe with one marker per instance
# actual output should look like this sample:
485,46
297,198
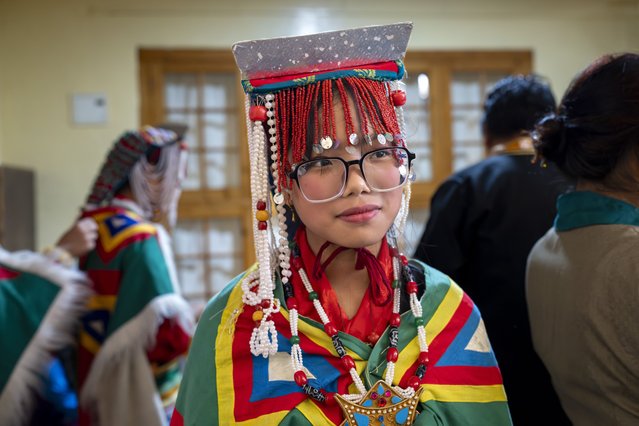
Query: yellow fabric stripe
463,393
435,326
99,302
224,352
267,419
168,397
89,343
313,414
109,242
163,368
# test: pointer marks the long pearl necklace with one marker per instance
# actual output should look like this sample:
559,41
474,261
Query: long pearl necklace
347,361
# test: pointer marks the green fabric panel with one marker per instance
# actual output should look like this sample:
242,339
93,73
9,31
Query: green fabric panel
93,262
584,208
144,277
295,418
198,391
24,301
464,413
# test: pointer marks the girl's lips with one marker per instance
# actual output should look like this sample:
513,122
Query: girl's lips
359,214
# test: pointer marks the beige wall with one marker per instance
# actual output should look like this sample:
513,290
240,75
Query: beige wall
49,50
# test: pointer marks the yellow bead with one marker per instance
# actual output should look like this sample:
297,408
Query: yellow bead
257,315
262,215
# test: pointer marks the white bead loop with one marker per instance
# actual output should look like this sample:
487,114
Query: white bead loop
264,339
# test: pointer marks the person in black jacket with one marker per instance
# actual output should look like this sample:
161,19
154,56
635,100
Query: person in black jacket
483,222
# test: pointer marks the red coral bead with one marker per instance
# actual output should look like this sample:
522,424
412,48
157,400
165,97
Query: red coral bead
398,97
423,358
395,320
348,362
372,338
265,303
330,329
404,260
330,398
411,287
392,354
291,303
257,113
414,382
300,378
262,226
260,205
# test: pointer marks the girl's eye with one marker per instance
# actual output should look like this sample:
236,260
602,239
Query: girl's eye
318,165
380,154
320,162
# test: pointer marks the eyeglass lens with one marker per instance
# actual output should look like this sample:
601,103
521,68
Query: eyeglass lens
323,179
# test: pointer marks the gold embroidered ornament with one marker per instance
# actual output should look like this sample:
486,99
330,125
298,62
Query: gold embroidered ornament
381,405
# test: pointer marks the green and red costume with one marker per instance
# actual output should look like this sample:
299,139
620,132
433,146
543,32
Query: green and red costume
138,326
225,384
41,303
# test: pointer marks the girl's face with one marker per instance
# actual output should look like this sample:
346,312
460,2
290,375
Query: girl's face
360,217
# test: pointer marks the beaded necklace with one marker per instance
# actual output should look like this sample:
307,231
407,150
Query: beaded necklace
382,396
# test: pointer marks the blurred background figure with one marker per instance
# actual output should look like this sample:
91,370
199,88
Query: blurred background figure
138,326
583,275
42,298
483,222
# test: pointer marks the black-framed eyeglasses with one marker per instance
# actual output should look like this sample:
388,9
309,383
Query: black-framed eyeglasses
323,179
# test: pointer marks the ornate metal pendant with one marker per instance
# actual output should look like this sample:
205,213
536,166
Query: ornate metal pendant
381,405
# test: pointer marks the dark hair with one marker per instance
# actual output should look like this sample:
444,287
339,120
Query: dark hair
596,127
515,104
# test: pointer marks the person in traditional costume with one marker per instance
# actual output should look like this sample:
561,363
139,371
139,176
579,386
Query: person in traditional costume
42,298
334,325
138,327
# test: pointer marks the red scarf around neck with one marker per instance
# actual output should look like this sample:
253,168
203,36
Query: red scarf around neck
376,307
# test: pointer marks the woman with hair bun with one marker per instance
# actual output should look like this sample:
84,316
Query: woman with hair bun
583,275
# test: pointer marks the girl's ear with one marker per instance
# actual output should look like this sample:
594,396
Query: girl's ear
288,197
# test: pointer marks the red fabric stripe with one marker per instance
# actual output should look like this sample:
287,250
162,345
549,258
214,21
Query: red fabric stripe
382,66
93,213
7,274
463,375
105,282
444,339
177,419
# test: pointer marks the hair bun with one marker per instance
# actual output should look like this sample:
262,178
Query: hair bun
549,138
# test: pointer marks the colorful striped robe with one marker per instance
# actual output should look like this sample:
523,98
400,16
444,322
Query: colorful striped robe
136,313
41,303
225,384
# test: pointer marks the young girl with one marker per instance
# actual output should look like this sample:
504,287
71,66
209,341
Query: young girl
334,325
